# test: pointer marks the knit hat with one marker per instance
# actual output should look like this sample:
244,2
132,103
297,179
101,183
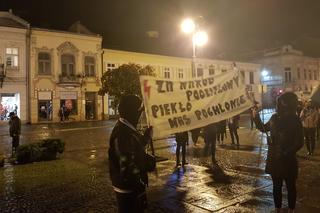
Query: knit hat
288,101
130,108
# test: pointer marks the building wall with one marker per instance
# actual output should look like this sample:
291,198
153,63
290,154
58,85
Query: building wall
286,60
56,87
175,65
15,81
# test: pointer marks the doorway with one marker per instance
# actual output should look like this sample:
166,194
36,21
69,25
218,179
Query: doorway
90,110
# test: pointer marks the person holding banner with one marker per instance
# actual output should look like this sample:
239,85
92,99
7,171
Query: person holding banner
284,142
129,163
182,140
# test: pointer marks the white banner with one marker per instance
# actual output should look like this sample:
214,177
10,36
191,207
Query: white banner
177,106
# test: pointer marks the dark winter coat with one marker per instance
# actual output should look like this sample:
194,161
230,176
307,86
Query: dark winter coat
14,126
182,137
128,159
286,138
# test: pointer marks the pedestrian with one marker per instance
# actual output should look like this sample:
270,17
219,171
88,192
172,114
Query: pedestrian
182,140
233,125
222,130
62,113
195,133
286,138
210,138
128,161
15,131
309,118
253,108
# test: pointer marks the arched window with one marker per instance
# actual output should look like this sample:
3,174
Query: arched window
89,66
67,65
44,63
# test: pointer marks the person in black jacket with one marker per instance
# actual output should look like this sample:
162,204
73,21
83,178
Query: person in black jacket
233,124
286,138
210,138
128,160
15,131
182,140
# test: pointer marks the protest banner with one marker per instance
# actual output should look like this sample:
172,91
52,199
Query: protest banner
177,106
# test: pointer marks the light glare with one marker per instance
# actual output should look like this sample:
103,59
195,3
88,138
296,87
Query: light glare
200,38
188,25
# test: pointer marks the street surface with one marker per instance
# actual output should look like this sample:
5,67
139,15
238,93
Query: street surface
79,180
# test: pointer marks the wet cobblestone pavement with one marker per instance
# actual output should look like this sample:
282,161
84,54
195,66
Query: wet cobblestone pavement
79,181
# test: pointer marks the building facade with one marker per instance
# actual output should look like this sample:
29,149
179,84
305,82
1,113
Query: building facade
177,68
14,38
287,69
65,72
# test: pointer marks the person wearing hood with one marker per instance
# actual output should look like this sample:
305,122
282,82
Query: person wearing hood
286,138
128,160
15,131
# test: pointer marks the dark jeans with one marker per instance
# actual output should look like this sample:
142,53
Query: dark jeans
310,140
234,133
277,191
179,146
15,141
131,202
210,140
220,136
195,133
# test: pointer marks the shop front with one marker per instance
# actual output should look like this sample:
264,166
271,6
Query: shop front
9,102
45,106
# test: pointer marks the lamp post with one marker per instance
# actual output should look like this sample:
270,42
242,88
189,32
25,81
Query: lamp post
199,38
264,74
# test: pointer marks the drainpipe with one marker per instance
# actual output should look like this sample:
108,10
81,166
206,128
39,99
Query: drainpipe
28,77
102,117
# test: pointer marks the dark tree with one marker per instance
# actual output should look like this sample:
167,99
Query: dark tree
124,80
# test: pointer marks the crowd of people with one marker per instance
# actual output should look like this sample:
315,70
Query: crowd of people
287,130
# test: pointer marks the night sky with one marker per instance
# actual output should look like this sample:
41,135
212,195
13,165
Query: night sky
236,27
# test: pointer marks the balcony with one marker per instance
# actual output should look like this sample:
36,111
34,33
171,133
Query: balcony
72,80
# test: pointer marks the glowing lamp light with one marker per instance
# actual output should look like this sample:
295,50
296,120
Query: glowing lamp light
200,38
188,25
264,73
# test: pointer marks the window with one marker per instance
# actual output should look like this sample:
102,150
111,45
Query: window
180,73
287,76
305,74
44,63
211,70
69,105
251,77
199,72
315,75
298,74
110,66
310,75
166,72
89,66
67,65
12,58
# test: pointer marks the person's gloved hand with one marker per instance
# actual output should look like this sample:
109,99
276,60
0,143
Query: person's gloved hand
148,132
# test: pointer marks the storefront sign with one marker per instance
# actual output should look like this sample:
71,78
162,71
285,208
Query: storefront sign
44,95
68,95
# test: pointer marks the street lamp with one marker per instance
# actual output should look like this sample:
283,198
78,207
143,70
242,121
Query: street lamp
199,37
264,74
